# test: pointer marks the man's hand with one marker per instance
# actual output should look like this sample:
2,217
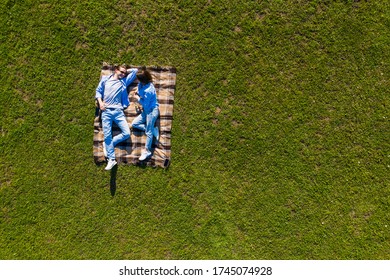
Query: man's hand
102,105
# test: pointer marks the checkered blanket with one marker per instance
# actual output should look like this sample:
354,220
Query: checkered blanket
128,152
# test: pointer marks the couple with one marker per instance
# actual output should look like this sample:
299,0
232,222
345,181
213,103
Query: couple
112,97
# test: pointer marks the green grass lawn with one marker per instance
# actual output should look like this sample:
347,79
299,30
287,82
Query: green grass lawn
280,139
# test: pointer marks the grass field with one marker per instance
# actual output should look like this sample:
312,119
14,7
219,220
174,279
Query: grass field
280,139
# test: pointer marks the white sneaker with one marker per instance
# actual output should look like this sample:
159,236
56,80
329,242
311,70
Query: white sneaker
145,155
156,133
104,150
111,163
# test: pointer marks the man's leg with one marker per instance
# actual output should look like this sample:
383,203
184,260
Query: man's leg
107,131
120,120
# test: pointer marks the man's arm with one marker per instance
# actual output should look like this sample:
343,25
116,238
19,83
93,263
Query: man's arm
102,105
100,93
131,76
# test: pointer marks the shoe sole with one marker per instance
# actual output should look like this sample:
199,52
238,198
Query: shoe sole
141,158
110,167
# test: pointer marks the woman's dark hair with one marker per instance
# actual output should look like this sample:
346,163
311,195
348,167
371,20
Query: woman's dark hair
144,76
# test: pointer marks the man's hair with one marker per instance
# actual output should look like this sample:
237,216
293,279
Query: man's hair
116,66
144,76
107,66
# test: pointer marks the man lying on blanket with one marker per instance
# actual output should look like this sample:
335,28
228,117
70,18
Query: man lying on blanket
112,97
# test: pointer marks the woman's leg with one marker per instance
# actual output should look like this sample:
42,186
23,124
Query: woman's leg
140,122
150,121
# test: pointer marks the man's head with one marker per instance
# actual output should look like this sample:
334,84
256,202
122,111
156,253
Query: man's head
120,71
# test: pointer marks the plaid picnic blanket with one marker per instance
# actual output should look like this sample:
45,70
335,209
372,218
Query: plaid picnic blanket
128,152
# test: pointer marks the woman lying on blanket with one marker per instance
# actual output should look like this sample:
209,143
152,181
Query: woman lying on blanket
146,120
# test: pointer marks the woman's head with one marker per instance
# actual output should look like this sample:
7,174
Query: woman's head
144,76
